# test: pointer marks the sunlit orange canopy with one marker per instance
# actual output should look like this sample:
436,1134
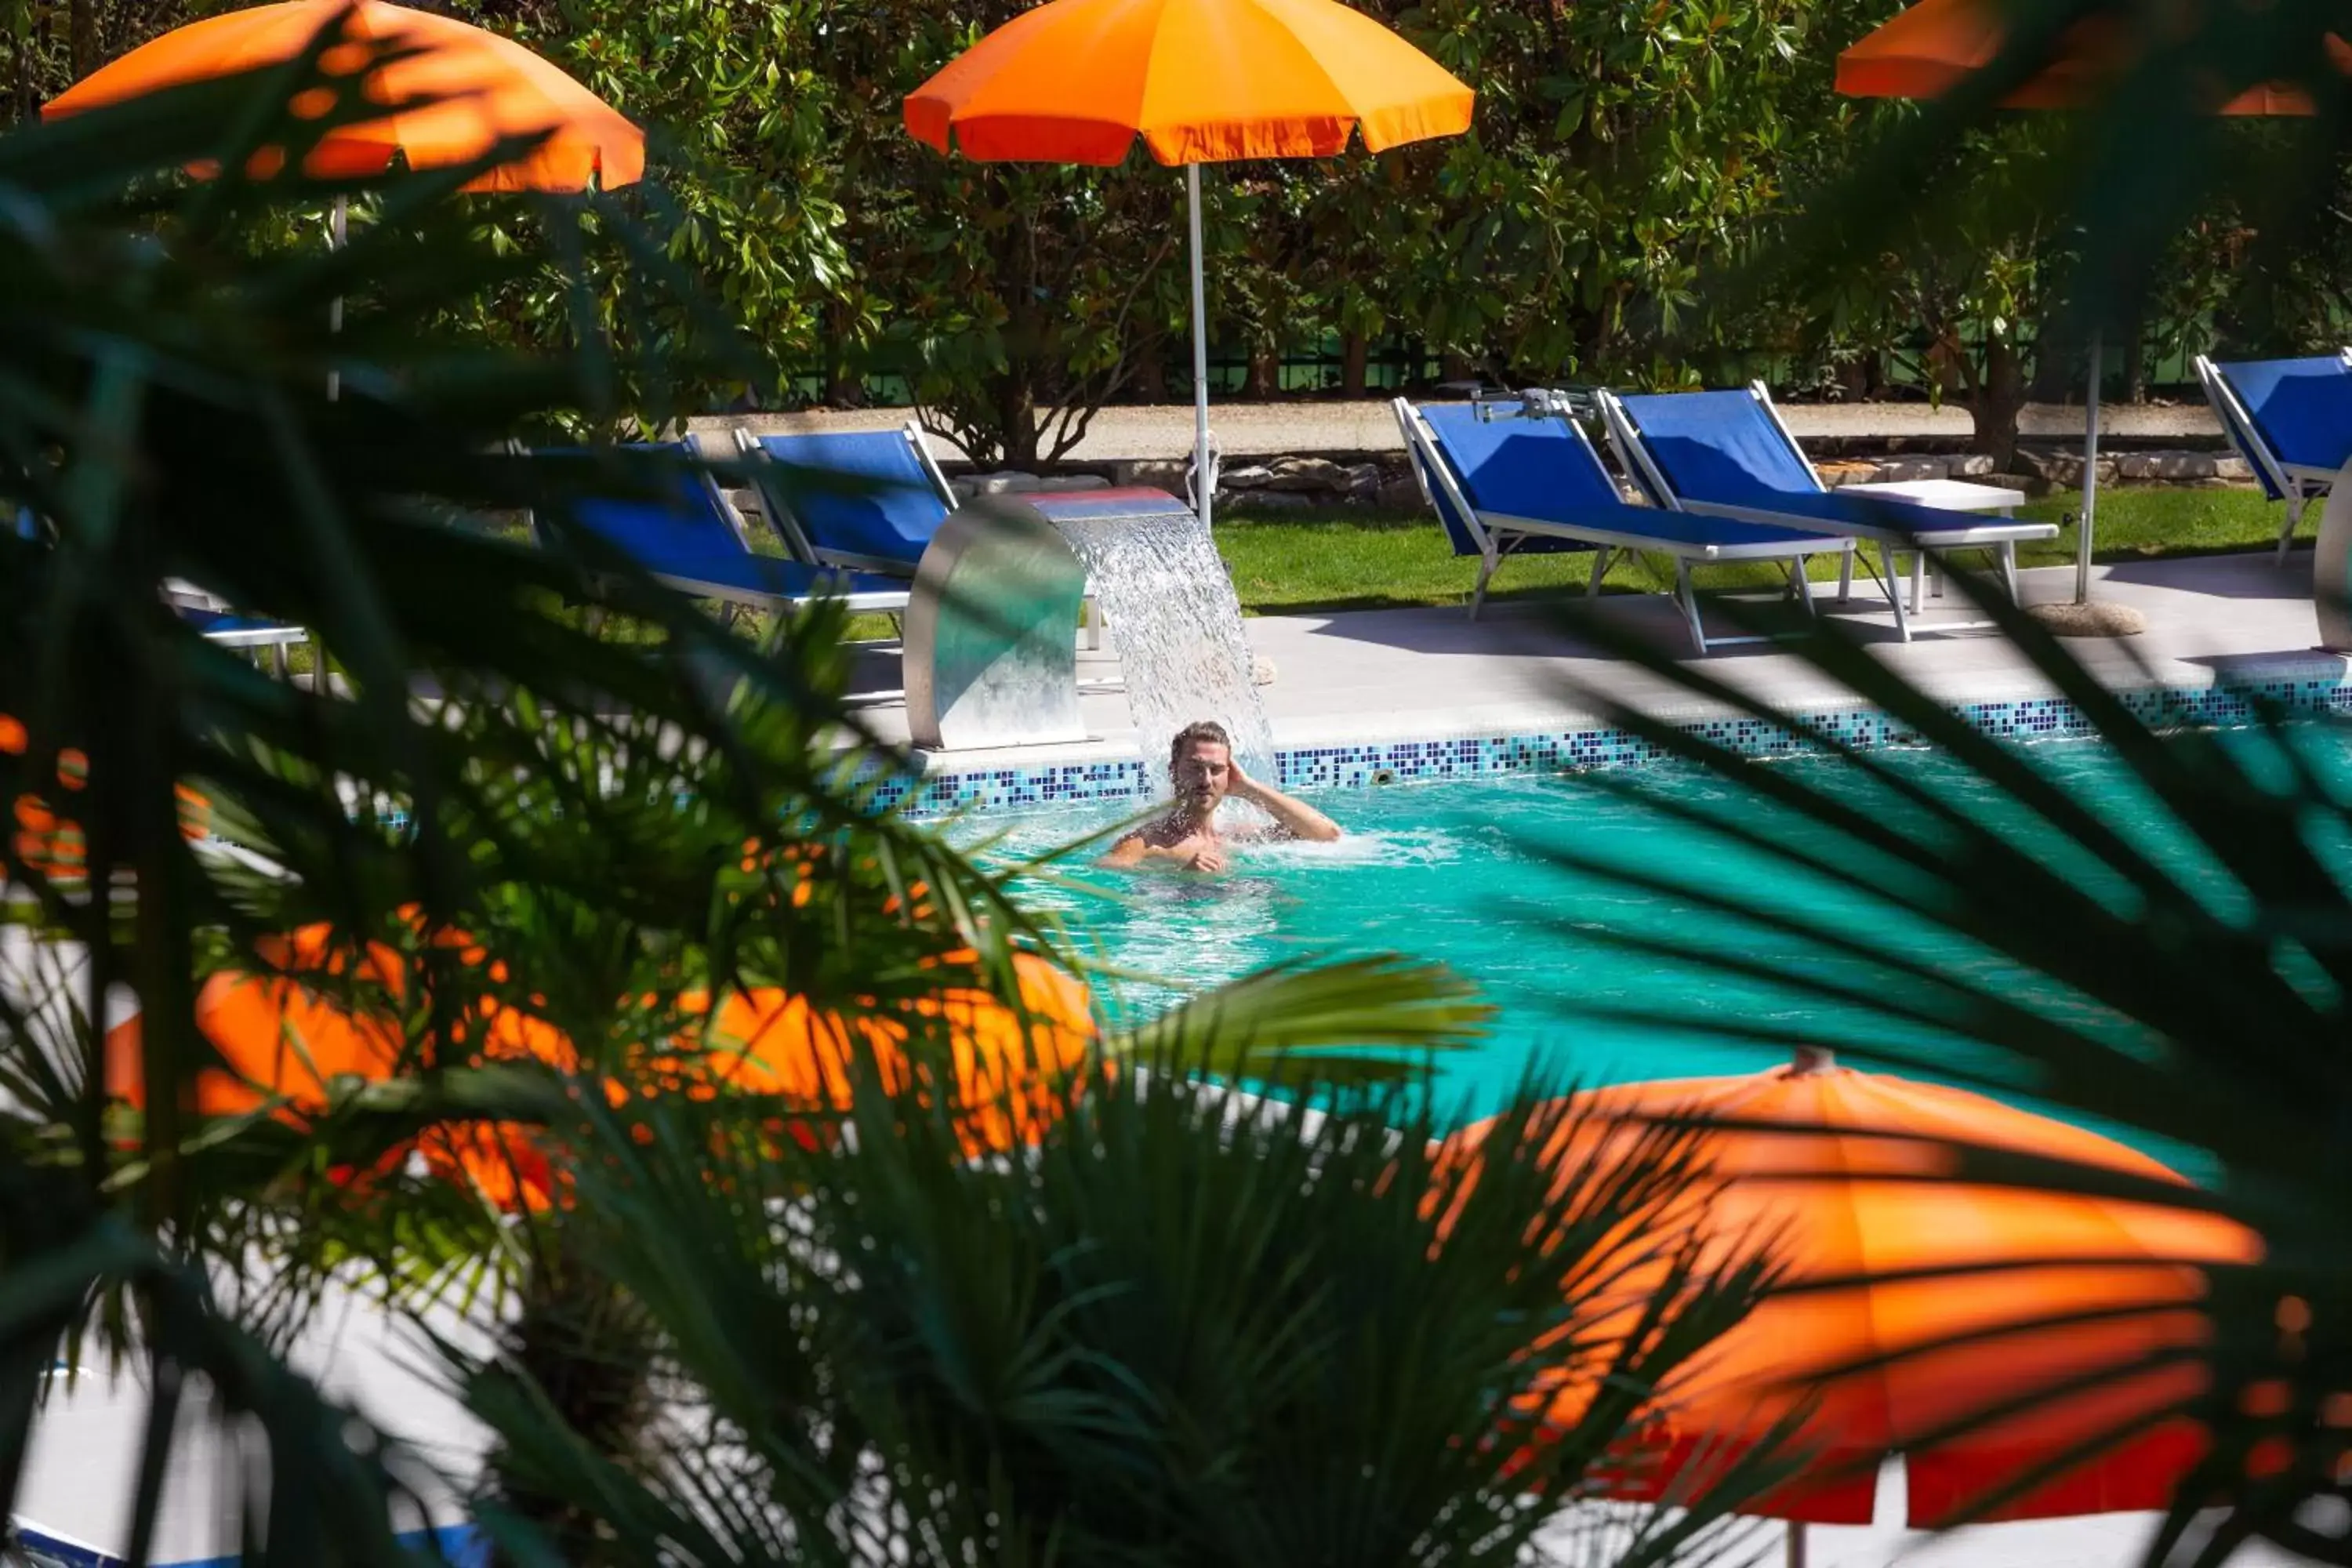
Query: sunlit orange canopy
1933,45
491,88
289,1031
1077,81
286,1033
1848,1202
1014,1072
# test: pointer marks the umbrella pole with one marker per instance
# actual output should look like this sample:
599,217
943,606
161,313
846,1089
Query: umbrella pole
2090,479
337,232
1796,1544
1203,480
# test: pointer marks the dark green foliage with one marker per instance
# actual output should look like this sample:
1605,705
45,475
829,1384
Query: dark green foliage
1188,1328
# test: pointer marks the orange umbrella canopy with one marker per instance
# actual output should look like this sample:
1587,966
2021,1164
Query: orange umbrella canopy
287,1033
490,89
1849,1200
1077,81
1012,1071
1931,47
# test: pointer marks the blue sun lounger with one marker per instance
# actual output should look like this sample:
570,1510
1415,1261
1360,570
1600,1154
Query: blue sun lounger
1504,483
691,537
213,619
870,499
1727,455
2292,421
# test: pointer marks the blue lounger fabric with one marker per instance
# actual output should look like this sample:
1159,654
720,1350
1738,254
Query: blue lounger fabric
1725,449
684,536
1538,470
866,493
2301,409
228,623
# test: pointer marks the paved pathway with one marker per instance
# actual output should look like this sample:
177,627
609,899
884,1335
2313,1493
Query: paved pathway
1266,429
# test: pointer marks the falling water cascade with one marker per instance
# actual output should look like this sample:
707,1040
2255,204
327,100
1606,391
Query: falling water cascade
990,652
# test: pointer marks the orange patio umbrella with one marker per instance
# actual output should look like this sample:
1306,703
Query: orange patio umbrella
285,1036
1013,1073
1933,47
1849,1200
1201,81
490,88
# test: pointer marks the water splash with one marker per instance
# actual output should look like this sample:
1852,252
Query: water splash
1177,624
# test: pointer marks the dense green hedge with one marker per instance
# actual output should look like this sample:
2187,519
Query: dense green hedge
1629,159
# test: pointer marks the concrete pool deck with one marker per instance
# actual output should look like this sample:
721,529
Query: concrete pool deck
1432,673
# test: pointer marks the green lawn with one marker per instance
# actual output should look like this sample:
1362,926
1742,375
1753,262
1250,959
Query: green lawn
1359,561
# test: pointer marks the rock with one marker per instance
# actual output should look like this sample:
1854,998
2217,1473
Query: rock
746,501
1074,482
2031,485
1152,473
1910,470
1305,474
1971,465
1007,481
1834,474
2165,466
2230,465
963,489
1262,670
1247,477
1401,494
1273,500
2064,469
1364,481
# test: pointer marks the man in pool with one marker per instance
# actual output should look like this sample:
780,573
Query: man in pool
1201,764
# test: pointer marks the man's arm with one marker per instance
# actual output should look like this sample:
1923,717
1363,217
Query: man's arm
1191,854
1295,818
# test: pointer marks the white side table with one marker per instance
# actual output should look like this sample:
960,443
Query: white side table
1952,495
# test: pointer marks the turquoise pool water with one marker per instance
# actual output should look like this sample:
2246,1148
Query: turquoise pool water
1467,872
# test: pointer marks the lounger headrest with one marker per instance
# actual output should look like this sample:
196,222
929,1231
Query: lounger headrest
1723,447
861,492
2302,408
1516,466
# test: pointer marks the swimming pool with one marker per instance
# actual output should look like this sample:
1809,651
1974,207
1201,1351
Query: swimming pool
1466,873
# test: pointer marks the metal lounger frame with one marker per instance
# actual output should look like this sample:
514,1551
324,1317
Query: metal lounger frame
1487,528
1625,439
2299,484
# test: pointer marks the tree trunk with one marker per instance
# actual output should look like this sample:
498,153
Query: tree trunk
2134,369
81,35
1353,353
1999,399
1016,418
2054,364
585,1348
843,387
1265,373
1150,377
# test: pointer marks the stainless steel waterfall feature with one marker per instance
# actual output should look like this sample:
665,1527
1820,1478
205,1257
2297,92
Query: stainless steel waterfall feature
990,636
991,645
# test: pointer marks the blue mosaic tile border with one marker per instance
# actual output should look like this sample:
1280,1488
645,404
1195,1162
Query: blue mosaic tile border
1370,764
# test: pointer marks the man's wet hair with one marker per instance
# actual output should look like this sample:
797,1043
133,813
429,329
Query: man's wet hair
1207,730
